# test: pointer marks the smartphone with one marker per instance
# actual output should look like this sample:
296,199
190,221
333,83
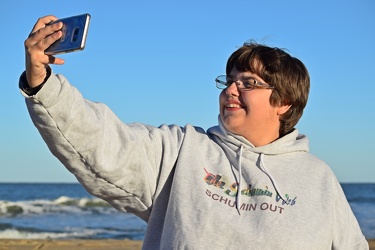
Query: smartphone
74,34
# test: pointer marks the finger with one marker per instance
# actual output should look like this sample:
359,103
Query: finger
43,33
47,41
41,29
55,60
36,50
42,22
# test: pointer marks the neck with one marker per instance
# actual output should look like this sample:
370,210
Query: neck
261,138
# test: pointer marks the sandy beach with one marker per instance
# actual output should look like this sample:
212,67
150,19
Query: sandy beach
372,244
69,244
81,244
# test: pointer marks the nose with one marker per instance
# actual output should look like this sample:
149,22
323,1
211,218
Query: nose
232,90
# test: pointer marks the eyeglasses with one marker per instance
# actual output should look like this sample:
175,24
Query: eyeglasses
244,83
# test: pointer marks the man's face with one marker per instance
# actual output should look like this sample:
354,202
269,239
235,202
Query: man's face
249,113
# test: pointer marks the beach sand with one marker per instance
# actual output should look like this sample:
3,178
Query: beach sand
69,244
82,244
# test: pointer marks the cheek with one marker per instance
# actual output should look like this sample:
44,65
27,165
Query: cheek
257,102
222,98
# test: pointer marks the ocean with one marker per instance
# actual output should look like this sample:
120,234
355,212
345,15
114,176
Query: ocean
67,211
62,211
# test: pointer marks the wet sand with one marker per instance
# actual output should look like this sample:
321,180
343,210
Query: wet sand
82,244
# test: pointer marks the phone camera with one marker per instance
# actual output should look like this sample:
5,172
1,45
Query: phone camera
75,34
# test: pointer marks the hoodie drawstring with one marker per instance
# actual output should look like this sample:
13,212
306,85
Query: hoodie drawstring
264,169
238,195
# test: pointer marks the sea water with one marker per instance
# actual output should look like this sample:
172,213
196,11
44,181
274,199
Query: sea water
62,211
361,198
67,211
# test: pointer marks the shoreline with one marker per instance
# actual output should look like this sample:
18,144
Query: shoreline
92,244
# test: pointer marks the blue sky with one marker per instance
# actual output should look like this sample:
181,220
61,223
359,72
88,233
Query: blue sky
155,62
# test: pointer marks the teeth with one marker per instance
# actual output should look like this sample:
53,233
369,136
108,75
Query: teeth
232,105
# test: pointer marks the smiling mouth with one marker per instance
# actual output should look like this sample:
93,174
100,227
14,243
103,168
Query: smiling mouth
232,105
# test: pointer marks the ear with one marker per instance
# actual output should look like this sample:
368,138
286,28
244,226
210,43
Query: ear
282,109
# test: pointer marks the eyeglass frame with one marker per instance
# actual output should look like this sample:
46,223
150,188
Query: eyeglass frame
257,84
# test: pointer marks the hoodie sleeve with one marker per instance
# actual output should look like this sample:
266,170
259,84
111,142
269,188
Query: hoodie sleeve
124,164
346,231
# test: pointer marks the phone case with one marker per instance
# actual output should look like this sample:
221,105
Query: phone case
74,33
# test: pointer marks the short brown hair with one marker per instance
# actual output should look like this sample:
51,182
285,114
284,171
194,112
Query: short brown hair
287,74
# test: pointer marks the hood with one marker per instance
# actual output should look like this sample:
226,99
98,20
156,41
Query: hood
289,143
235,146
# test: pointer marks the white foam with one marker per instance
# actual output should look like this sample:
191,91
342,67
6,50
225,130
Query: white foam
62,200
16,234
62,204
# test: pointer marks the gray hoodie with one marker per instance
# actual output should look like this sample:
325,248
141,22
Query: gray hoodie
197,189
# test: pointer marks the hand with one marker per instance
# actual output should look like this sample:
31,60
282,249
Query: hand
40,38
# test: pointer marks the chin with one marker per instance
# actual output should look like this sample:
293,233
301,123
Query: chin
231,127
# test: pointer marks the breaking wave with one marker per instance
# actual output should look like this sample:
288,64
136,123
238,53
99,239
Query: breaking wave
62,204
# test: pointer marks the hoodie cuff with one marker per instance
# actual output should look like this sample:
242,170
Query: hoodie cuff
24,85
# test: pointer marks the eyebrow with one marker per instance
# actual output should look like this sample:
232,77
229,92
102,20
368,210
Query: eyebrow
243,76
229,75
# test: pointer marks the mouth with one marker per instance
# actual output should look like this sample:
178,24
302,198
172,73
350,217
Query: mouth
232,105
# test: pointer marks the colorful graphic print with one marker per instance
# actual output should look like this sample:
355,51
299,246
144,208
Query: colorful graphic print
217,181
